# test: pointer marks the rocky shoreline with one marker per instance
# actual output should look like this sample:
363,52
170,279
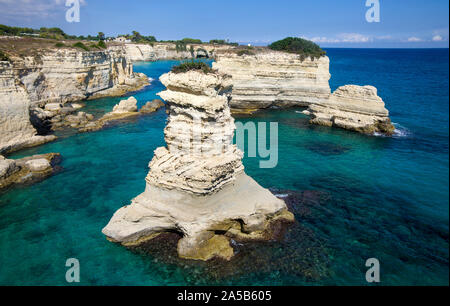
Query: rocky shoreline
27,170
30,88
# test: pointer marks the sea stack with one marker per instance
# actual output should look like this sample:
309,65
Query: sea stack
197,185
266,78
352,107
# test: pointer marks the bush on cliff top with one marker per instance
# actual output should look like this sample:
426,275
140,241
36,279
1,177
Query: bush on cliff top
244,52
102,44
3,57
188,66
81,46
299,46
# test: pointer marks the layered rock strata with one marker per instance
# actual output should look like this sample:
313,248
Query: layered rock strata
196,185
274,79
28,83
165,51
27,170
353,107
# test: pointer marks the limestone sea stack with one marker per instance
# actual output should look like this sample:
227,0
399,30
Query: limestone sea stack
196,185
274,79
353,107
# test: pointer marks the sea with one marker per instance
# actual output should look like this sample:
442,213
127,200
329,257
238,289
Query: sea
355,197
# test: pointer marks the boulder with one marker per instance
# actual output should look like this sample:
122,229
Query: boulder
38,165
151,107
126,106
28,170
53,107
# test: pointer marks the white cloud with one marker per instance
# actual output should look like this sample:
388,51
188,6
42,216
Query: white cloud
323,40
342,38
437,38
414,39
385,37
16,11
353,38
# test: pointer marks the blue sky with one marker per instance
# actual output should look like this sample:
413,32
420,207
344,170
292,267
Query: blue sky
332,23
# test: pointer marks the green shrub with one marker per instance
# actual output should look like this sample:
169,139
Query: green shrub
80,45
59,45
299,46
218,41
192,65
4,57
102,44
191,41
244,52
180,46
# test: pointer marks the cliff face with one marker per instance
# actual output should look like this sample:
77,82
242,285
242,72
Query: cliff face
279,79
166,51
196,185
272,78
353,107
16,130
57,76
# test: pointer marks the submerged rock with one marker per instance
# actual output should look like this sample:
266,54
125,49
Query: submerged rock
196,185
356,108
27,170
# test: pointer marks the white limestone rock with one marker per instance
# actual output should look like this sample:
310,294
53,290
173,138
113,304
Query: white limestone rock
352,107
7,166
37,165
31,82
196,184
126,106
274,79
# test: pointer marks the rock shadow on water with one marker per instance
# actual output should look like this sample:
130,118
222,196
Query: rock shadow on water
295,251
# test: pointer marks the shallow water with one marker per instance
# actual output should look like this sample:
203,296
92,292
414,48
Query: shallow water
354,196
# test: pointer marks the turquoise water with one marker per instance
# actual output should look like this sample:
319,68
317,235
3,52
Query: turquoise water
354,196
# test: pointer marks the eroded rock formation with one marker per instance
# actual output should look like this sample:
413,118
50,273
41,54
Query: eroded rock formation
196,185
274,79
353,107
165,51
27,170
28,83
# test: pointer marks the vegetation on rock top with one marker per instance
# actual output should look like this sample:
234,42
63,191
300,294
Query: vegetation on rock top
192,65
81,46
3,56
299,46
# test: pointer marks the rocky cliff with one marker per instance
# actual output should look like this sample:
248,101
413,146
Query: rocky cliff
28,83
196,185
166,51
264,78
270,78
353,107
